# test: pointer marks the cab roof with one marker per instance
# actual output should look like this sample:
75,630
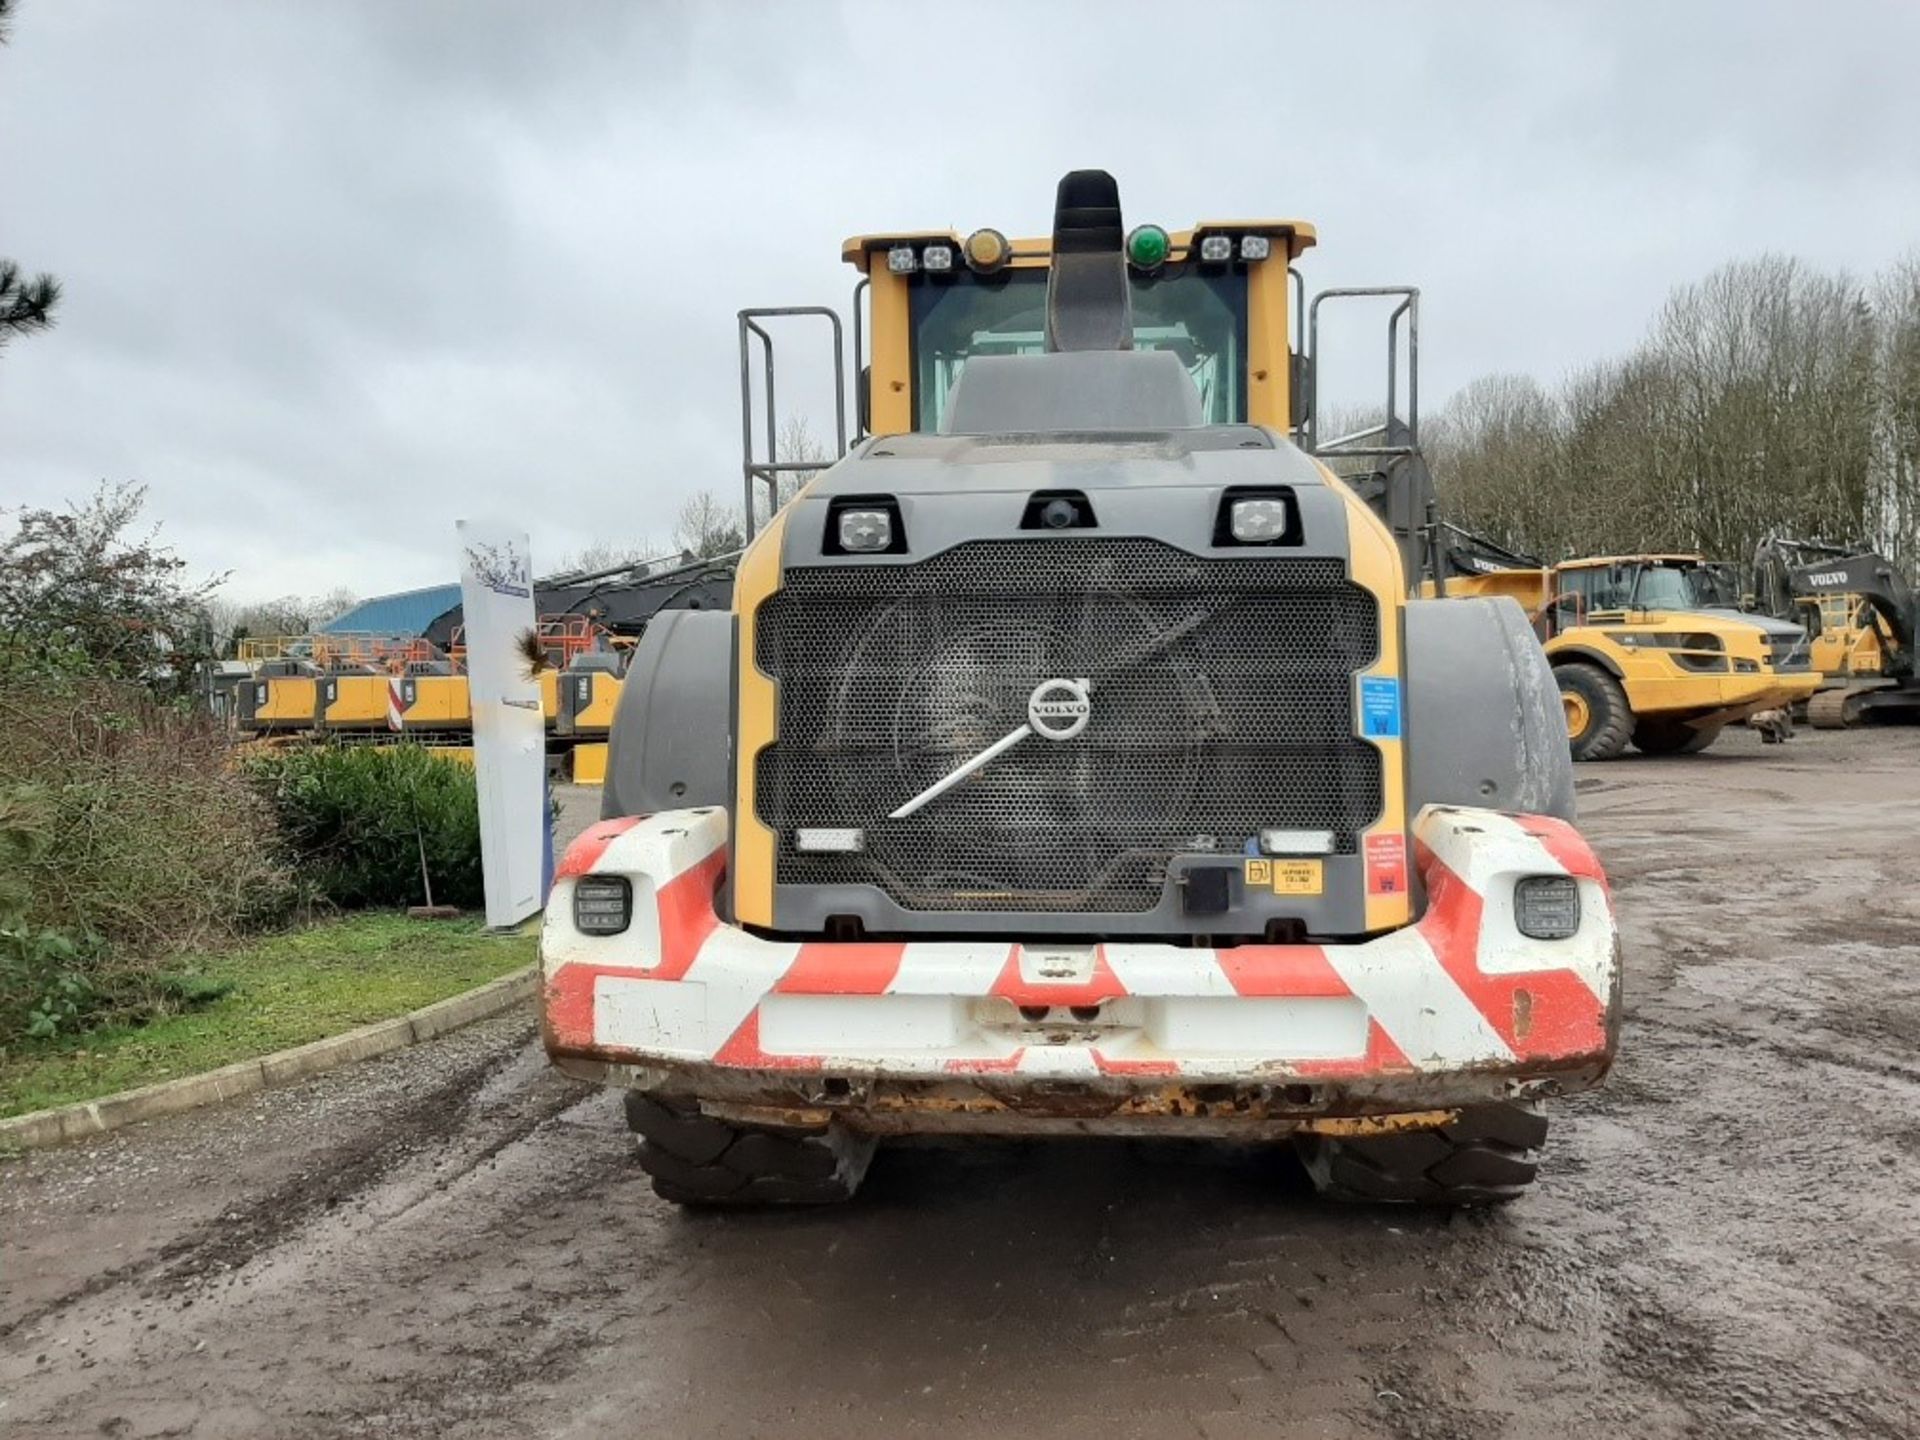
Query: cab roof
1294,236
1588,562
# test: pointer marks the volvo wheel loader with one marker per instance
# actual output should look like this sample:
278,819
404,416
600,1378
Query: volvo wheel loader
1073,762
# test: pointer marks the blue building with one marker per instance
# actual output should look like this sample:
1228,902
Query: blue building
408,612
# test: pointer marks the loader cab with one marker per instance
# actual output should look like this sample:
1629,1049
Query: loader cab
1215,295
1224,296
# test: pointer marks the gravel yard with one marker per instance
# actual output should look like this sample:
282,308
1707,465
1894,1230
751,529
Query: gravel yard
456,1241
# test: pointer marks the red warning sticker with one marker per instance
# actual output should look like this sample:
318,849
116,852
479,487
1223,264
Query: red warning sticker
1387,864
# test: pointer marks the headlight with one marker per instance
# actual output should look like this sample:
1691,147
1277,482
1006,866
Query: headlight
1255,247
829,841
937,258
1296,842
865,532
1216,249
1547,907
1255,522
902,261
602,904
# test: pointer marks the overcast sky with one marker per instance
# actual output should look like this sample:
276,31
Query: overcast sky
340,273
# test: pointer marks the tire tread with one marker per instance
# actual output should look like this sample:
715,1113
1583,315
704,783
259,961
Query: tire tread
695,1159
1488,1155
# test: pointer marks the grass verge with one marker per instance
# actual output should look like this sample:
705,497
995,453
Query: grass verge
286,990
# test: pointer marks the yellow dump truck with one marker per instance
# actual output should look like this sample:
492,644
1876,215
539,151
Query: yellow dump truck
1643,648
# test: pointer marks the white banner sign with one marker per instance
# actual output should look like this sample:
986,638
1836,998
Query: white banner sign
509,732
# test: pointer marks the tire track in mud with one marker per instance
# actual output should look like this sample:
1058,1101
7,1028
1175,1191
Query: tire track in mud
228,1242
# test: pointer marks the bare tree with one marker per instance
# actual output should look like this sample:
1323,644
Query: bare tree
708,526
608,554
1894,507
1761,399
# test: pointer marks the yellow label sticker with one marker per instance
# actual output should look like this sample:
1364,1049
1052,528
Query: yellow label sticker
1297,877
1260,872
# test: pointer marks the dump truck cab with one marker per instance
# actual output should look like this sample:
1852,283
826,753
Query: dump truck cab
1073,761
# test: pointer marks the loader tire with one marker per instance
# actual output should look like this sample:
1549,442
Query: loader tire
1669,737
699,1160
1599,720
1486,1156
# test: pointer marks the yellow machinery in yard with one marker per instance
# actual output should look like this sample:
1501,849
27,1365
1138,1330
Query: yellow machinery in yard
1073,760
1646,649
1862,618
369,688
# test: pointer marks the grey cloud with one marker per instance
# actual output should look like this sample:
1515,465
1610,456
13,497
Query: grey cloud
340,273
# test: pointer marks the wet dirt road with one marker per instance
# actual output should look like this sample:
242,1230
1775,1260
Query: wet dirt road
455,1242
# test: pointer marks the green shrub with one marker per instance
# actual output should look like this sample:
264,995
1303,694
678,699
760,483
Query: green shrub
354,819
126,835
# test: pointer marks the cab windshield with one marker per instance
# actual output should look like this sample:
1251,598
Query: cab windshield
1201,316
1643,585
1670,587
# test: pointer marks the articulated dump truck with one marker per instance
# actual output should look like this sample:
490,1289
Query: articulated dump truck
1073,762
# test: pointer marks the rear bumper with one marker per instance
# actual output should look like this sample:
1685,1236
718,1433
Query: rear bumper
1457,1009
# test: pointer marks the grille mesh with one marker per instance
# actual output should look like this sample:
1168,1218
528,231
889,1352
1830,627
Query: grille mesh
1788,653
1221,700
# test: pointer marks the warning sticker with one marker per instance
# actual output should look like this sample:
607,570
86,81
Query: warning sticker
1386,864
1298,877
1380,707
1259,872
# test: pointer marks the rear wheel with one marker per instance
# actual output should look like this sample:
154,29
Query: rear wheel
1488,1155
696,1159
1670,737
1599,720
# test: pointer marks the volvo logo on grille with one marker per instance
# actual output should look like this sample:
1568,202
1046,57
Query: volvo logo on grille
1059,709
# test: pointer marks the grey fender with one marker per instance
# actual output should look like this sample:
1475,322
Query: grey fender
1484,722
670,744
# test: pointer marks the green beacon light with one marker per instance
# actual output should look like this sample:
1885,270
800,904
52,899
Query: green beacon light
1148,247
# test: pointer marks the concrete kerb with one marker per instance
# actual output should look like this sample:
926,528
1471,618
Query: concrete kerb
245,1077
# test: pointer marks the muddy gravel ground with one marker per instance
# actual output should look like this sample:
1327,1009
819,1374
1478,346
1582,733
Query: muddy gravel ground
455,1241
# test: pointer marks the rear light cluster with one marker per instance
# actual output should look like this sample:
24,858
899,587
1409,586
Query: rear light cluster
1547,907
602,904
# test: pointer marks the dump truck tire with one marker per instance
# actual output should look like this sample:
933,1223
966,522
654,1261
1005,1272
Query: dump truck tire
1487,1156
1599,720
696,1159
1658,737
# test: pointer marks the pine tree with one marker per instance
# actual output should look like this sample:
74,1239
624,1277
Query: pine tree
26,305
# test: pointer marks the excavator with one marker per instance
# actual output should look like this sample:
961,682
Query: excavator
1071,760
1862,620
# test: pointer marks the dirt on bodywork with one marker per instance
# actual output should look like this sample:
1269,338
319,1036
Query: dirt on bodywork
455,1241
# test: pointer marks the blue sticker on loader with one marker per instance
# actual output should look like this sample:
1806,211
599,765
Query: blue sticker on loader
1380,707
